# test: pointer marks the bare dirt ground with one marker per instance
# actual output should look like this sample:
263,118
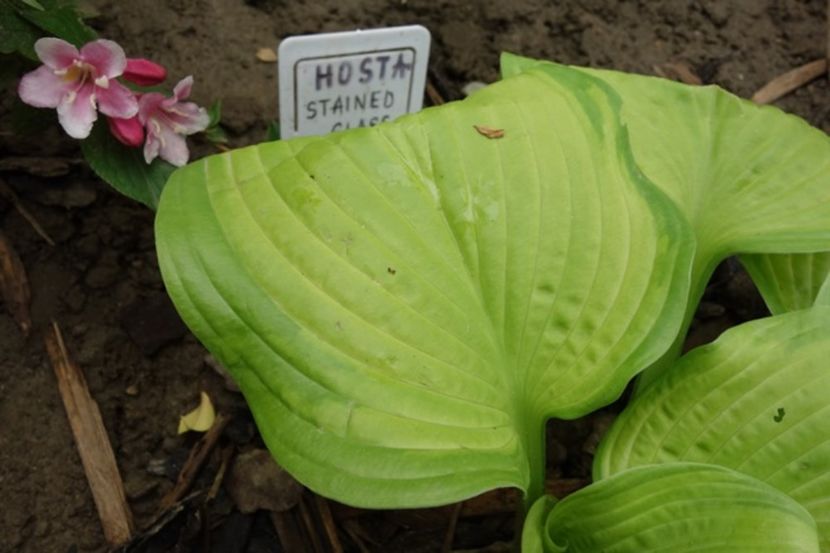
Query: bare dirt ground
101,282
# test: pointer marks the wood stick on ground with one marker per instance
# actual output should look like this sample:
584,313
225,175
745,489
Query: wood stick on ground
9,194
449,537
93,444
193,464
828,38
791,80
14,285
433,94
227,453
288,531
354,530
308,522
328,524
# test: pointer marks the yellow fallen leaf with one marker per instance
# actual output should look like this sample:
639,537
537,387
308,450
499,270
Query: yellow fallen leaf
266,55
200,419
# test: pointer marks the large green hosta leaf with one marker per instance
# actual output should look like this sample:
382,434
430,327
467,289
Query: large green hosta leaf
757,401
404,306
675,508
790,282
749,178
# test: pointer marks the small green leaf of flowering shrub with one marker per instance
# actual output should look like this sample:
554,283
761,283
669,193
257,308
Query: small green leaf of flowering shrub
124,168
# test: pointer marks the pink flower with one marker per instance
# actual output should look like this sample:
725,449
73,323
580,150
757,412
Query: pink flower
144,72
168,121
129,132
79,82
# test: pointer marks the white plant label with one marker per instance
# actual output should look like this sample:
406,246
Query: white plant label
336,81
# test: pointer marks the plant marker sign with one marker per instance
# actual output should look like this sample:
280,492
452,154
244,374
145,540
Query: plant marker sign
336,81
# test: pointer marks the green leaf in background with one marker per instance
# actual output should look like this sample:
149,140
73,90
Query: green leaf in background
16,34
124,168
60,19
273,131
788,282
674,508
756,401
404,306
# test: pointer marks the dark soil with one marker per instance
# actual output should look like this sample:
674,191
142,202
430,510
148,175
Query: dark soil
100,281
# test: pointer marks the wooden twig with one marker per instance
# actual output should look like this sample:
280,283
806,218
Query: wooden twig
197,457
328,524
287,531
791,80
449,537
354,530
678,70
308,522
433,95
14,285
227,453
93,444
828,38
8,193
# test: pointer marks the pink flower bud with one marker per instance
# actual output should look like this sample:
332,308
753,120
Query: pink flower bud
129,132
144,72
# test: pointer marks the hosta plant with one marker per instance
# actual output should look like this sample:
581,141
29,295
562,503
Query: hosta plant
405,306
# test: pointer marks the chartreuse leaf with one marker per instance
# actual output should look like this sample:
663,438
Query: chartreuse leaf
788,282
749,178
404,306
675,508
756,400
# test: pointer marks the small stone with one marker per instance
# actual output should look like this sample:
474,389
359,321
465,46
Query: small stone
104,273
132,390
152,323
473,86
258,482
138,485
710,310
75,299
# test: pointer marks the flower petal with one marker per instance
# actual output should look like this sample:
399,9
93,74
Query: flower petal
173,147
56,53
188,118
128,131
144,72
182,88
106,56
149,104
151,147
116,101
43,89
77,113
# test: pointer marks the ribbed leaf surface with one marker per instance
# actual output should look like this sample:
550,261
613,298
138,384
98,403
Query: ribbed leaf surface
757,401
789,282
404,306
675,508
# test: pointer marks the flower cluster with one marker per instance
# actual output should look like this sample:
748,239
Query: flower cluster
80,83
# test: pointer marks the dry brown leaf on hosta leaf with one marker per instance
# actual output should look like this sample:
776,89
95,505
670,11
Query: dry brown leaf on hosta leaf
489,132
